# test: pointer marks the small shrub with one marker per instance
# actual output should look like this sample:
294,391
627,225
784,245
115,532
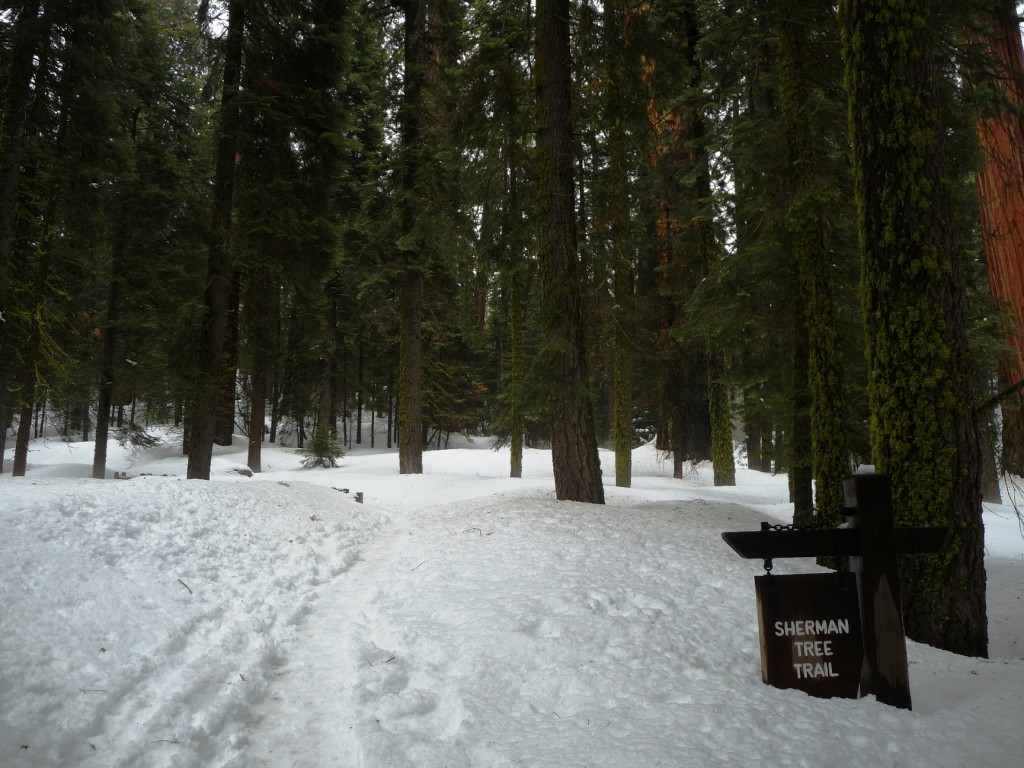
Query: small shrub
322,449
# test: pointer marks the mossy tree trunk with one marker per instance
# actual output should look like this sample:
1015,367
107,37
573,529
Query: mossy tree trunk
923,432
820,400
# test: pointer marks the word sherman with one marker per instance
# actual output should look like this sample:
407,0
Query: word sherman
812,627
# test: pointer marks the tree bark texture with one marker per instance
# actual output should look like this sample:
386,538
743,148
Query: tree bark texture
1000,185
923,432
410,277
576,465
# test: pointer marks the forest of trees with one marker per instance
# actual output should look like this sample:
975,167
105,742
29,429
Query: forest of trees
784,230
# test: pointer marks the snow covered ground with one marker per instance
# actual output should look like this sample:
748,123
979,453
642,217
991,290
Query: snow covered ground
457,618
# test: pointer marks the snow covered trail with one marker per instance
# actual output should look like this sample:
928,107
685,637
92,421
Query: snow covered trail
305,721
518,631
457,618
499,671
141,618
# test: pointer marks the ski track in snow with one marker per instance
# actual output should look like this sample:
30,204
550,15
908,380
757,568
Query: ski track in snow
178,696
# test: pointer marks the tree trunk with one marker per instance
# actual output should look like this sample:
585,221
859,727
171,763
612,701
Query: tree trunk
801,467
517,372
29,29
219,273
224,430
261,310
810,198
1000,186
410,280
106,388
923,432
576,465
35,339
623,310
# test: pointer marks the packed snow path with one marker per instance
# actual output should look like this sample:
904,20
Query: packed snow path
519,631
457,618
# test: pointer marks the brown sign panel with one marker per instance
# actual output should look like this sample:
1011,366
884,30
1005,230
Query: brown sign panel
810,633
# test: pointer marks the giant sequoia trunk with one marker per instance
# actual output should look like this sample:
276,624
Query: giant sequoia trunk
923,432
573,438
1001,196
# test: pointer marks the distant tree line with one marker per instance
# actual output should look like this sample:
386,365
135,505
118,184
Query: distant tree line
567,223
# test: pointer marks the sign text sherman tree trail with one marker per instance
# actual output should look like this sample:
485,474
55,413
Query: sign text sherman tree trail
838,634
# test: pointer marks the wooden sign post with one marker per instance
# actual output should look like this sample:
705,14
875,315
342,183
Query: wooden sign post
810,658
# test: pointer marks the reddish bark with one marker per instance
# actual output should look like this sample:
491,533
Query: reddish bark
1000,187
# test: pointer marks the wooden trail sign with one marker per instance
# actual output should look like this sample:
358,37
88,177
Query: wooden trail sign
873,545
810,633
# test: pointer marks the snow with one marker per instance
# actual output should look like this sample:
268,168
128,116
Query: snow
455,618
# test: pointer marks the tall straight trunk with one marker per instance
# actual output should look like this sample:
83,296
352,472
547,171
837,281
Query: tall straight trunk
715,402
261,309
106,388
801,459
29,30
259,388
623,311
410,375
359,389
224,429
1000,185
33,349
923,431
806,227
517,372
753,423
219,273
720,415
573,440
517,278
410,281
575,461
